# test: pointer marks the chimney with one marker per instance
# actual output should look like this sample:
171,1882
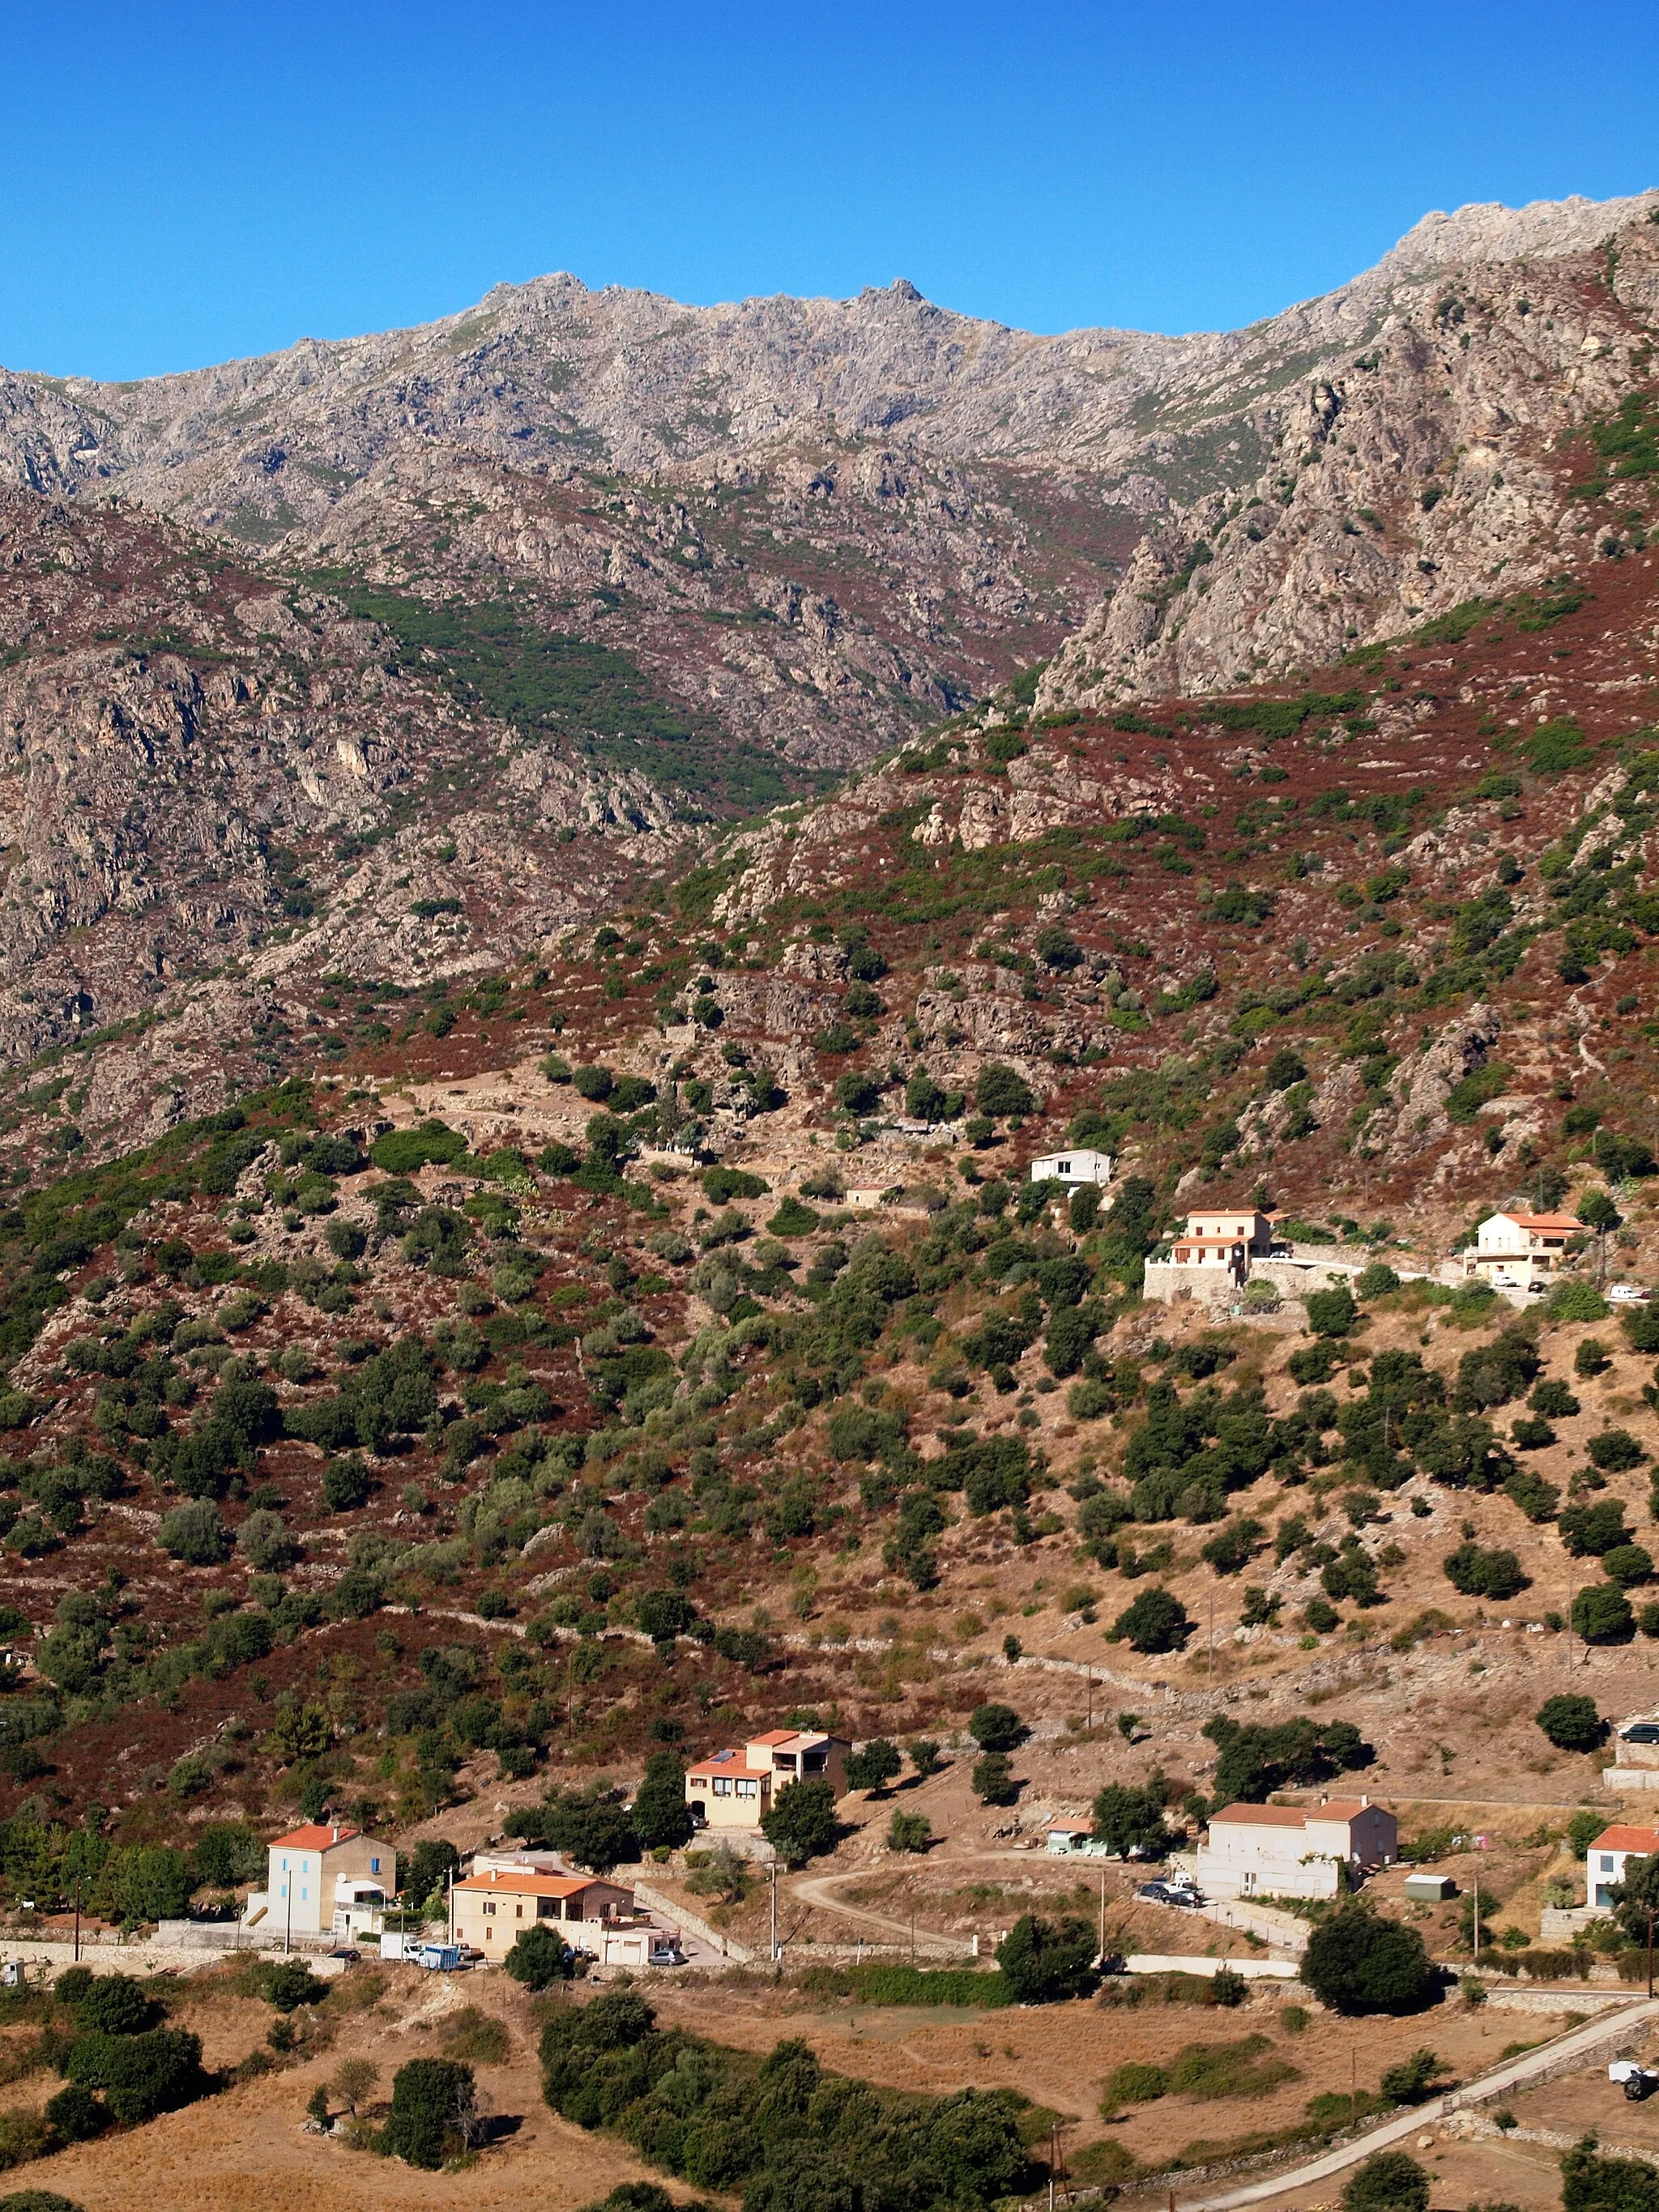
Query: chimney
337,1832
1364,1802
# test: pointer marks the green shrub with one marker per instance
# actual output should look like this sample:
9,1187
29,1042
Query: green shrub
1000,1090
1229,2070
1134,2083
540,1958
1601,1614
75,2115
1156,1621
140,2075
801,1822
195,1534
24,2136
1387,2181
1570,1722
1357,1961
996,1726
401,1151
108,2004
1044,1961
909,1831
434,2111
291,1984
720,1185
1331,1313
794,1220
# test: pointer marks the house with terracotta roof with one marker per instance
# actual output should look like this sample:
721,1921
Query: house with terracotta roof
1514,1251
731,1789
493,1910
1295,1850
1604,1861
323,1880
1221,1237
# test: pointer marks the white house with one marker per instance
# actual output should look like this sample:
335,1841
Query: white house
1294,1850
1079,1166
1224,1238
323,1881
1513,1250
1604,1861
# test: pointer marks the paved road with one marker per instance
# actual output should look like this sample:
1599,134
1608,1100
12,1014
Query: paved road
1607,2027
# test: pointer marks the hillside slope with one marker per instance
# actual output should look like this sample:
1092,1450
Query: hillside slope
1418,473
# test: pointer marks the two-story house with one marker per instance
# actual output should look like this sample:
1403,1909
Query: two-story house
1294,1850
323,1881
1222,1238
1604,1861
731,1789
1513,1251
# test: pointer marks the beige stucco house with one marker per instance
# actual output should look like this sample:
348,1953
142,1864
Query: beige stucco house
731,1789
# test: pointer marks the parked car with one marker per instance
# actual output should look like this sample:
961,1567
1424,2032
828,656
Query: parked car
1629,1294
1636,2080
1168,1893
1640,1732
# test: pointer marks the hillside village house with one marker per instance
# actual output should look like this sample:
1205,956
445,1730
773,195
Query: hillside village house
323,1881
1078,1166
1604,1861
493,1910
1294,1850
1512,1251
1222,1238
731,1789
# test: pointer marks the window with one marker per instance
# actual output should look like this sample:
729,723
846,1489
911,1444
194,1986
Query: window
374,1866
518,1913
1606,1863
722,1787
748,1788
490,1907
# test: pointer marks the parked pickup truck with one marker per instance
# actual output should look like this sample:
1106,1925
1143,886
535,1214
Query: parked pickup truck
1636,2080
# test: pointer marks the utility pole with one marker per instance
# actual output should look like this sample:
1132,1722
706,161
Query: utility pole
1103,1913
1650,1912
1353,2086
912,1935
1212,1635
77,1933
775,1913
1477,1916
287,1925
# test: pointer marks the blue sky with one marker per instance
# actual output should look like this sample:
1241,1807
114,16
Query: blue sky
187,183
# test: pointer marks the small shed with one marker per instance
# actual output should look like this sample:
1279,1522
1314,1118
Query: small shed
1068,1835
1429,1888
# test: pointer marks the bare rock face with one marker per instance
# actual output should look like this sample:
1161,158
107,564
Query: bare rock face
817,523
1404,479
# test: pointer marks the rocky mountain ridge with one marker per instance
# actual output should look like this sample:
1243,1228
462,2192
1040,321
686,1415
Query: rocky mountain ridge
1423,473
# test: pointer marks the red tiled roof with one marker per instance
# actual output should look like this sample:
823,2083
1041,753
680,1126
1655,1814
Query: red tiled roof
1291,1816
1259,1816
531,1885
313,1837
1620,1837
725,1762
